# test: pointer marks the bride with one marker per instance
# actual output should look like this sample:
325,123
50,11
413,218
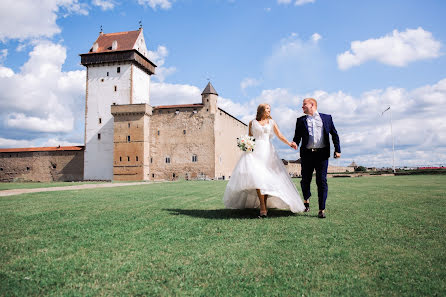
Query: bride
260,178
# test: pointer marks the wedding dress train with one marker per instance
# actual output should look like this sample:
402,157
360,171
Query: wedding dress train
262,169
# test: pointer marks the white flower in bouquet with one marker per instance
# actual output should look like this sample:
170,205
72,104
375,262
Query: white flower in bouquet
246,143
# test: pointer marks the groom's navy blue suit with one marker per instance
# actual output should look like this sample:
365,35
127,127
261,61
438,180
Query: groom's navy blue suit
315,159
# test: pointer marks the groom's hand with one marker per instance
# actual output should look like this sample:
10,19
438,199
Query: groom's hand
337,155
294,145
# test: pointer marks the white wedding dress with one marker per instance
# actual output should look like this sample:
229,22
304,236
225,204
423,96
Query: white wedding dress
262,169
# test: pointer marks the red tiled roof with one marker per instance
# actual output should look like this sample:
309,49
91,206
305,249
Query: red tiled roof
42,149
126,41
178,106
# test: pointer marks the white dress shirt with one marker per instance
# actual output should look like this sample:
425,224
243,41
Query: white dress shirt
315,128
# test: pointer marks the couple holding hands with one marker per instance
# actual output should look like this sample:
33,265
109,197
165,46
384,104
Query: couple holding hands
260,180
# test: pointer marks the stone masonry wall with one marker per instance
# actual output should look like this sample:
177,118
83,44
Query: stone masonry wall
180,134
42,166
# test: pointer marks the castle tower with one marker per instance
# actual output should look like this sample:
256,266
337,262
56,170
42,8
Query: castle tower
209,98
118,73
131,147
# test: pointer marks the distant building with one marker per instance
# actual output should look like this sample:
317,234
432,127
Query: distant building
294,168
353,165
43,164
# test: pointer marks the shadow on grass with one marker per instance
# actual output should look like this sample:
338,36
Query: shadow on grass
223,214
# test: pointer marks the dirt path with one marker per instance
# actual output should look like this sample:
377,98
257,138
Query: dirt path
68,188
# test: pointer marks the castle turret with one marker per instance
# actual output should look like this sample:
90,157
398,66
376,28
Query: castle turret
118,73
209,97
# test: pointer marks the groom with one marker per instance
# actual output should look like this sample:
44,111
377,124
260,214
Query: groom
313,129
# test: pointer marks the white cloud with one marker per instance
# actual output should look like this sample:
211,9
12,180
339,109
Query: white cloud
243,111
41,97
104,4
5,143
297,3
316,37
163,4
158,57
395,49
302,2
3,55
36,142
56,142
249,82
53,123
6,72
34,19
168,94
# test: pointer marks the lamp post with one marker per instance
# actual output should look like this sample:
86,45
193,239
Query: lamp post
393,140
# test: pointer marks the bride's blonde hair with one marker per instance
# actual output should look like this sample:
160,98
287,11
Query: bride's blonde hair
261,110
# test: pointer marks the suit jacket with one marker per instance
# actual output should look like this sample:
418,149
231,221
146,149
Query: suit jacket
301,133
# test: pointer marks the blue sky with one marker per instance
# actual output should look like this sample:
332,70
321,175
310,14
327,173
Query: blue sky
355,57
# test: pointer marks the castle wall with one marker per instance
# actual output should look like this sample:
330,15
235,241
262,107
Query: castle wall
42,166
294,169
227,153
102,92
180,136
339,169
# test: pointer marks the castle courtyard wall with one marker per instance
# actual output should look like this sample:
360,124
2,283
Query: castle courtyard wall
179,134
44,166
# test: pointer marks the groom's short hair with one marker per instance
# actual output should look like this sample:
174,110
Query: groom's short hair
312,100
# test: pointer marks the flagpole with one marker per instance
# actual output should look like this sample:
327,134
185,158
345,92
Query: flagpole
393,142
393,139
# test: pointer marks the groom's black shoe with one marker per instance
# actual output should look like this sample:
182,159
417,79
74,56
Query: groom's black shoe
307,207
321,215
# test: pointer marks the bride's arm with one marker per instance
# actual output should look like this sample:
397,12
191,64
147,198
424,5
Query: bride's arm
280,136
250,133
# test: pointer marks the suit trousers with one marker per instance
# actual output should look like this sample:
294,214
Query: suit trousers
315,161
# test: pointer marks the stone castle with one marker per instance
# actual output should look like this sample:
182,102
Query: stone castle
128,139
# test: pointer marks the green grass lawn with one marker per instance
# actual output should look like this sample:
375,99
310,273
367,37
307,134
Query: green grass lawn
383,236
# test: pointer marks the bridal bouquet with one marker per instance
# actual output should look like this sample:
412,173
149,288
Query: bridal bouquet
246,143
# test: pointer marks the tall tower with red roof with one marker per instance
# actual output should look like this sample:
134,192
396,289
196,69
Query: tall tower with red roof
118,72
